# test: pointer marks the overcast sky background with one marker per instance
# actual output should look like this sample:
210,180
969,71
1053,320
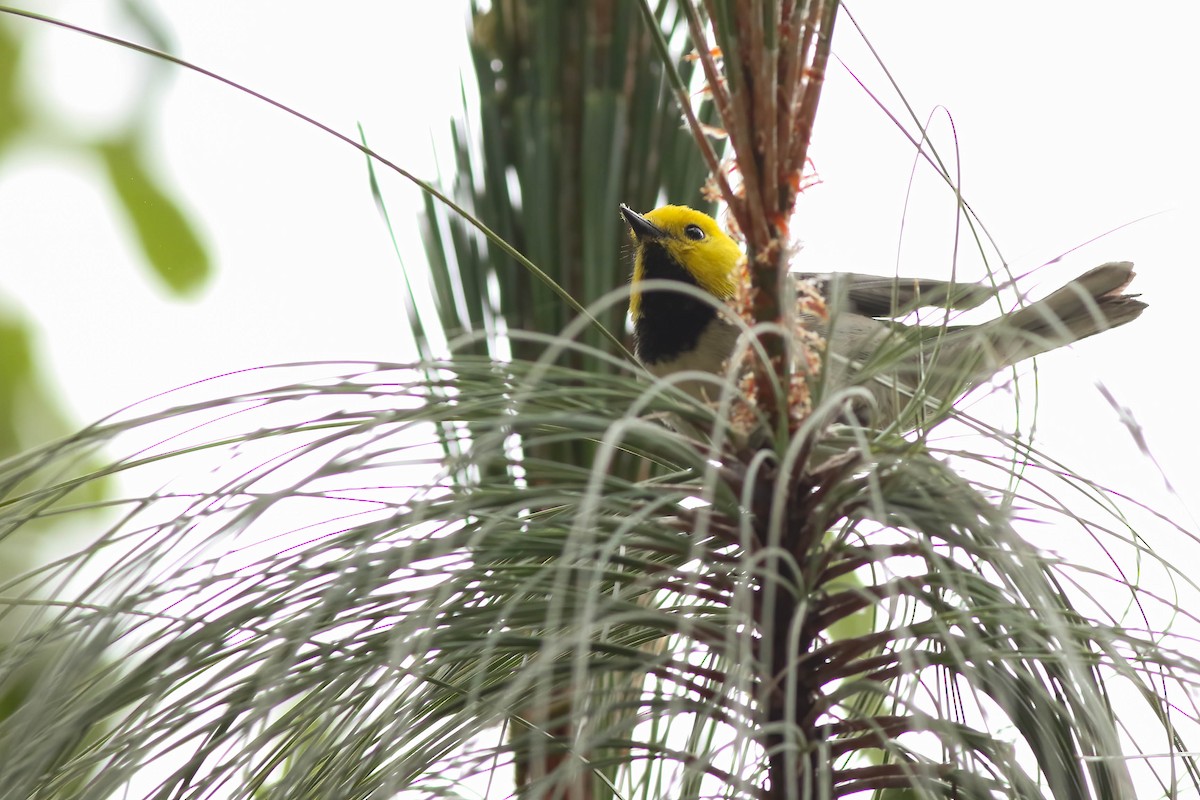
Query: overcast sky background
1074,121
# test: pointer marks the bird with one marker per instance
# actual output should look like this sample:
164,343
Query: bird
865,344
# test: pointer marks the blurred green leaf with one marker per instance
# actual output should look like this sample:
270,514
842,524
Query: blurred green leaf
12,111
29,412
168,240
16,365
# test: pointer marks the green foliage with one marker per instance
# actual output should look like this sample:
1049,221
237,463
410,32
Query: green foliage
12,110
339,619
166,236
16,364
29,414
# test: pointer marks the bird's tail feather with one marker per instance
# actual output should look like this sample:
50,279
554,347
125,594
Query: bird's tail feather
947,367
1090,304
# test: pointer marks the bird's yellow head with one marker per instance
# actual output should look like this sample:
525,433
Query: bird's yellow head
680,243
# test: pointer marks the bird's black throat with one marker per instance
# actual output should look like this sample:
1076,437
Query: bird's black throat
671,322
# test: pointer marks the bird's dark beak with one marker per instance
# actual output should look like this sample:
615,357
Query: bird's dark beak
642,228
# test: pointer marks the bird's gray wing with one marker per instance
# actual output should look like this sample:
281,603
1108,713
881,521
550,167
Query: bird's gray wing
878,296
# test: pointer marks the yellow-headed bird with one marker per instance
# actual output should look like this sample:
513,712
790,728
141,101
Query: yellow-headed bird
865,346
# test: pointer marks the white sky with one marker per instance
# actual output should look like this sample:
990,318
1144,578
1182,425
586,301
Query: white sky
1072,119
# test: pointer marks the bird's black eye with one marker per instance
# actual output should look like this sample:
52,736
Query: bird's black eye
693,232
